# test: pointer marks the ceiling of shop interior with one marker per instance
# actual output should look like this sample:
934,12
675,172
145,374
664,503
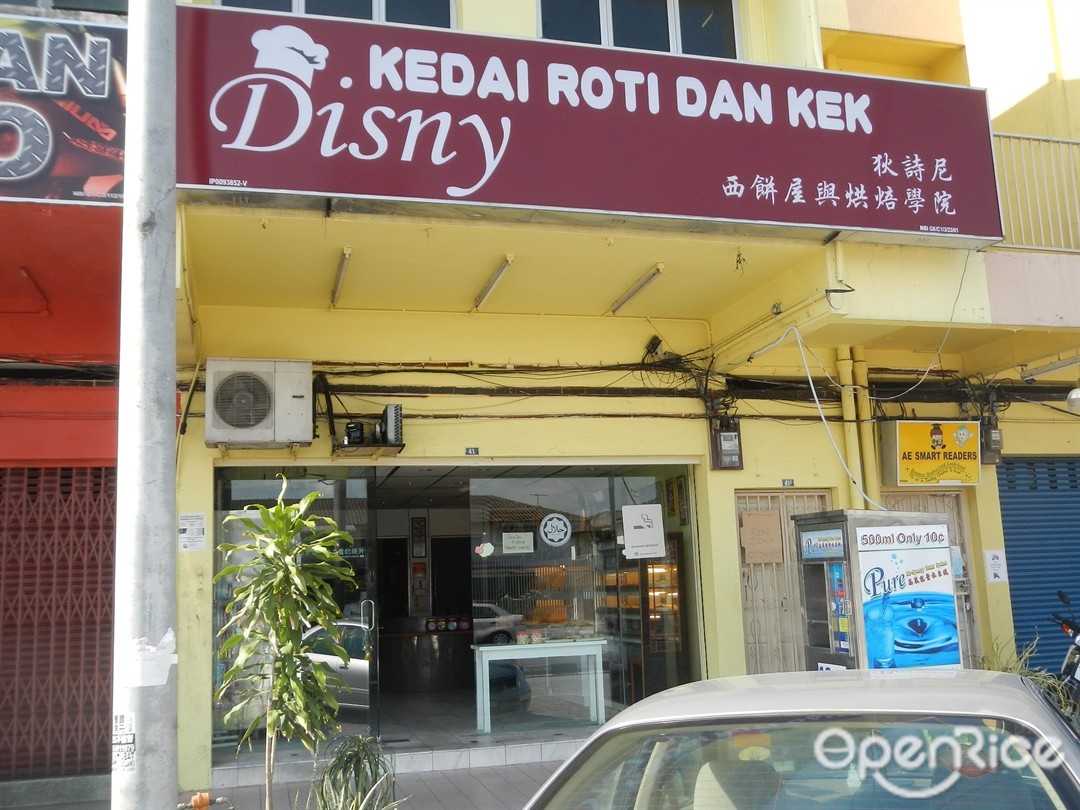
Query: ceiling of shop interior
415,487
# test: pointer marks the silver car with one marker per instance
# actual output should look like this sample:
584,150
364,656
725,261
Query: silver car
510,691
842,740
494,625
353,691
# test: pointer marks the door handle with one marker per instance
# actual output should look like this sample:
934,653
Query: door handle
367,614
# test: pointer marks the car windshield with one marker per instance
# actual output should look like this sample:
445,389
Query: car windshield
865,763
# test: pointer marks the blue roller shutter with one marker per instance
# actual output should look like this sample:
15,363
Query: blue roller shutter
1040,515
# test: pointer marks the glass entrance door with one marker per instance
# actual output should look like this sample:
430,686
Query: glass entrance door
359,713
448,560
345,500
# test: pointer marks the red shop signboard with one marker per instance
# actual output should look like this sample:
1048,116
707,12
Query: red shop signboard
62,111
356,109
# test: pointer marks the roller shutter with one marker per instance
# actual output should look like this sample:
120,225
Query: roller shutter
1040,515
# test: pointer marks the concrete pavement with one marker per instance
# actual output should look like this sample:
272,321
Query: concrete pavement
503,787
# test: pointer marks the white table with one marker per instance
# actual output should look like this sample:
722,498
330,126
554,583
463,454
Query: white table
588,650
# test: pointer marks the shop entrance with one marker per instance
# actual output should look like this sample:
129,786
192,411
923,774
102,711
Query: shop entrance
461,559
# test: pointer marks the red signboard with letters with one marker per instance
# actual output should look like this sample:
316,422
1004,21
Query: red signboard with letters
356,109
62,111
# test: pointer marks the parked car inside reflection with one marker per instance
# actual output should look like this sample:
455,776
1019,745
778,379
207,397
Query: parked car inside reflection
494,625
510,691
353,687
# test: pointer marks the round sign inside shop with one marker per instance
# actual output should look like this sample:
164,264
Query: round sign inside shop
555,529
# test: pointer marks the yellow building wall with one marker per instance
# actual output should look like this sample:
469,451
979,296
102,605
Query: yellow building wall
774,450
936,20
1051,111
679,439
780,440
663,430
195,618
1043,84
425,337
920,40
780,32
900,283
517,18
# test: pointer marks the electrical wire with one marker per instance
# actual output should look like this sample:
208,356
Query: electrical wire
1046,405
922,377
794,330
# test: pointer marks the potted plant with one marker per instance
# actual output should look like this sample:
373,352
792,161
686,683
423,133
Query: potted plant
283,575
357,776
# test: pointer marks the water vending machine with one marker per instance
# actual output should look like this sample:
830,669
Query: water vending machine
877,590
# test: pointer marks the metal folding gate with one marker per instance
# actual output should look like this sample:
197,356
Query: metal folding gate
1040,515
56,588
772,616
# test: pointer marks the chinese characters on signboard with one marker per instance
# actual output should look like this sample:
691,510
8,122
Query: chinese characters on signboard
356,109
349,108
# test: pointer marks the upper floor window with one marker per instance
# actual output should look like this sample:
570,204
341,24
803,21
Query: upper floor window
105,6
700,27
433,13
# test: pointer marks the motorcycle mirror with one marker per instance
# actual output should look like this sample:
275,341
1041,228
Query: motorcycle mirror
1064,597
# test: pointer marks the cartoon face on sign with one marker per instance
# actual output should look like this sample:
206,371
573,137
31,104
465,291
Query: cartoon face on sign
555,529
937,437
961,435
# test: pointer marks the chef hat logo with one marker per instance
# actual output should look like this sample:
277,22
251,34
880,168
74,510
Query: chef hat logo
290,50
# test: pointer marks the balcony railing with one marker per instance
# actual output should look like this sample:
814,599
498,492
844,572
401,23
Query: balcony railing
1039,189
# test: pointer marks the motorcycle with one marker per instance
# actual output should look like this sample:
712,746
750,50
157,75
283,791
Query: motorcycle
1070,667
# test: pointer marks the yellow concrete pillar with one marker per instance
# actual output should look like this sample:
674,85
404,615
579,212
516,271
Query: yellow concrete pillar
852,456
868,441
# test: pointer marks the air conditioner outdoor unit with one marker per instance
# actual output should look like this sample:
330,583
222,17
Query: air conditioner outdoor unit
258,403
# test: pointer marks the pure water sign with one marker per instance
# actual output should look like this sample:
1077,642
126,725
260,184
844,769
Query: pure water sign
908,604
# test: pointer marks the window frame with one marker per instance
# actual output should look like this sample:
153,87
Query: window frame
378,12
60,5
674,15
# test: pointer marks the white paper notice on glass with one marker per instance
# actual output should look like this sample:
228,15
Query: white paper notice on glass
518,543
643,531
191,531
996,568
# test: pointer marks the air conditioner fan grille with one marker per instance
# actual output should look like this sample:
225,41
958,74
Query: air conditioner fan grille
242,400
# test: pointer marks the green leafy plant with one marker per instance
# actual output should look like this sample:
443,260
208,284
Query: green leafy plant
1006,658
357,776
283,577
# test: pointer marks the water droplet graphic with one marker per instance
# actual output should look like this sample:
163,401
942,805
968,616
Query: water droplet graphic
920,626
926,632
